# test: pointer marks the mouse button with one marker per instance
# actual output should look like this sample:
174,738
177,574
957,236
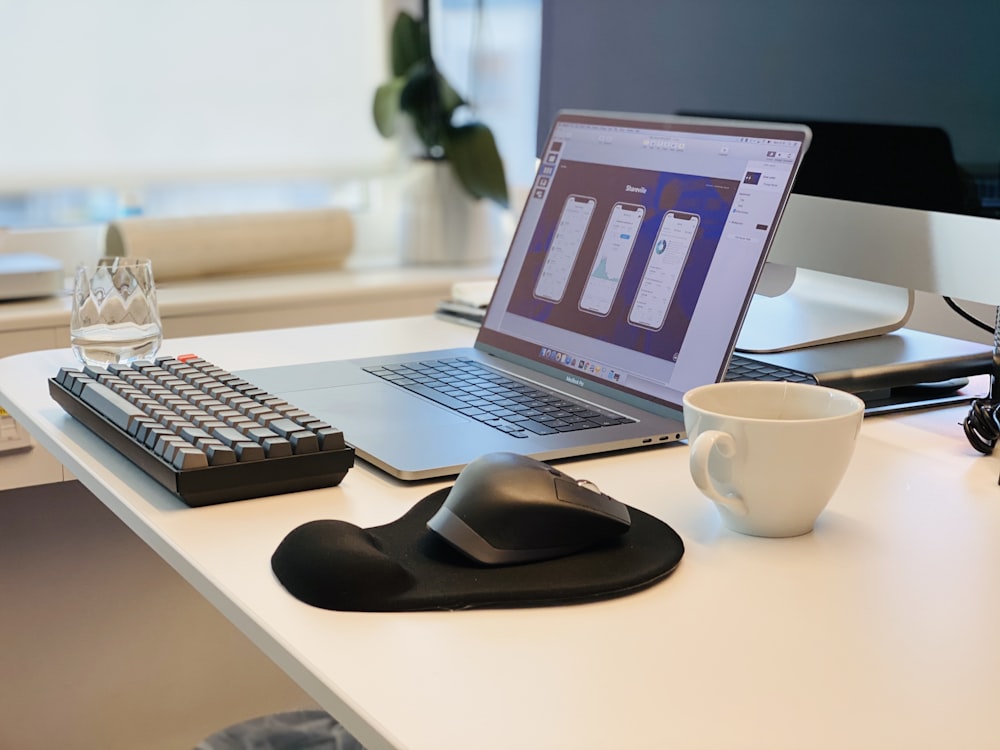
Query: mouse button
498,551
450,527
574,493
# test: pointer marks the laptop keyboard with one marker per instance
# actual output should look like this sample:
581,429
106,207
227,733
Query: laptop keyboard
511,406
520,409
205,434
746,368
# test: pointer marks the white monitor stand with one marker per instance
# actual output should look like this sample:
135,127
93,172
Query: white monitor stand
820,308
856,266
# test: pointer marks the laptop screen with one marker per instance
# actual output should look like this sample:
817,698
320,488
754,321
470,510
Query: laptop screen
638,249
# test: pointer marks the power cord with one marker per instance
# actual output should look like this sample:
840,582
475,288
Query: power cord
982,427
967,315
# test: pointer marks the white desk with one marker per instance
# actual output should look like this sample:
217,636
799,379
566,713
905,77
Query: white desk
879,630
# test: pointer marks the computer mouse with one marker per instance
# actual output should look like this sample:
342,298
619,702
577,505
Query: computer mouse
506,508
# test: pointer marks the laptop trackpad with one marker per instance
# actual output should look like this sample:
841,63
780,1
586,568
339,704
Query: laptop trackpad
370,407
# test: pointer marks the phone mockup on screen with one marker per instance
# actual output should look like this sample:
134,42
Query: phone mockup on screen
663,269
562,253
612,256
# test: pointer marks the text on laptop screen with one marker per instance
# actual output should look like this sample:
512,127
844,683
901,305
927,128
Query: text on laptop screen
638,249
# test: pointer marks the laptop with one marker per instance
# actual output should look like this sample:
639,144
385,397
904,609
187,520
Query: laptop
625,285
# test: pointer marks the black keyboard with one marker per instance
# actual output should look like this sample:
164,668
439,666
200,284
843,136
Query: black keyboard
509,405
205,434
746,368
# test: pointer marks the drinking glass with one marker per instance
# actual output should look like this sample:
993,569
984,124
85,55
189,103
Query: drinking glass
115,319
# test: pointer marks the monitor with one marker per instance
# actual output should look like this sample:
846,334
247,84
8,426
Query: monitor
901,188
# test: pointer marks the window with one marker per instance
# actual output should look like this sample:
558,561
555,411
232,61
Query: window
113,108
108,103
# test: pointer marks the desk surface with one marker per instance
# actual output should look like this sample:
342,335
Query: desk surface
880,629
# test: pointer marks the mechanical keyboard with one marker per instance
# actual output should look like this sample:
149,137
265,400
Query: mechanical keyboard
202,432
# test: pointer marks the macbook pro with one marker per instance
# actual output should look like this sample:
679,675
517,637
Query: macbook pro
625,284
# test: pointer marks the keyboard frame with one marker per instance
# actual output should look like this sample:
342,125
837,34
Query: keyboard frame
211,485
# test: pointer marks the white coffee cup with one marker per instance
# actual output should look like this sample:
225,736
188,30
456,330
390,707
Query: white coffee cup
770,455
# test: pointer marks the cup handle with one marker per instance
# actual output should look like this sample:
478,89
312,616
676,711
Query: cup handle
701,449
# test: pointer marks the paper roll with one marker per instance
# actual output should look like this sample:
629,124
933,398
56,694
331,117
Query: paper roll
182,248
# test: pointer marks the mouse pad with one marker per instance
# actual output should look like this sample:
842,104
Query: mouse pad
404,567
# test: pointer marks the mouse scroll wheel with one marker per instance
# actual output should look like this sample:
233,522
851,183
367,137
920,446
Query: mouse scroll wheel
588,485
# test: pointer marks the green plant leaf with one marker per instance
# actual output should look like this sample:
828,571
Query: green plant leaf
420,91
473,155
410,43
450,99
421,99
385,107
429,99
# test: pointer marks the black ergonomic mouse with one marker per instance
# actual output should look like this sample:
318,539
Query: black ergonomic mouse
507,508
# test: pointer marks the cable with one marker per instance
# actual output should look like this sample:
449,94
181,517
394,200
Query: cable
969,317
982,427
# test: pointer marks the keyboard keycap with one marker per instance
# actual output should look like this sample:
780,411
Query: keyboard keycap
219,454
110,404
189,457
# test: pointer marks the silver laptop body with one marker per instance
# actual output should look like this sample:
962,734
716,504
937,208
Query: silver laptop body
625,284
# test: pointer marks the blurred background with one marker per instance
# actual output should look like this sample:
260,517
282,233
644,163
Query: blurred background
110,109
